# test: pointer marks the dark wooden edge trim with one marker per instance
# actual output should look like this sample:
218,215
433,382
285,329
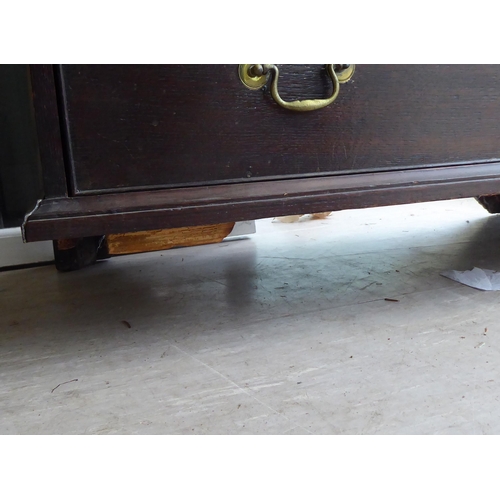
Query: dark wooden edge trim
48,130
128,212
64,127
215,182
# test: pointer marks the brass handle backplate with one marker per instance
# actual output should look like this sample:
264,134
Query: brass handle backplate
255,76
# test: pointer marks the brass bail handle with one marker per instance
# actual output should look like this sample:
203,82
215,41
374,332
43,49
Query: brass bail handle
255,76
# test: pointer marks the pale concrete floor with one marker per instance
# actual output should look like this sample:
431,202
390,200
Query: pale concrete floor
286,332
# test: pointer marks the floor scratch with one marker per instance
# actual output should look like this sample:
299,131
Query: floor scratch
242,389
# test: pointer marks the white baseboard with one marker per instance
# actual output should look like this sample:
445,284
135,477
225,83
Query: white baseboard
14,252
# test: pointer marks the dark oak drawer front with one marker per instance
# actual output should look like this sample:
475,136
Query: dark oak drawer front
136,127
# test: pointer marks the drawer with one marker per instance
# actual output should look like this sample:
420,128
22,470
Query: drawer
148,127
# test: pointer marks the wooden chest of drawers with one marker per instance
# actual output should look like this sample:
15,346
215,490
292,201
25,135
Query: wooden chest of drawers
134,148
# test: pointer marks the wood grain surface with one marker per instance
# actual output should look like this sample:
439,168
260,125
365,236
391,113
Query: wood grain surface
140,126
163,239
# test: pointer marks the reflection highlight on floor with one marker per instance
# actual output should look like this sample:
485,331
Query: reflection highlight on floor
287,331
